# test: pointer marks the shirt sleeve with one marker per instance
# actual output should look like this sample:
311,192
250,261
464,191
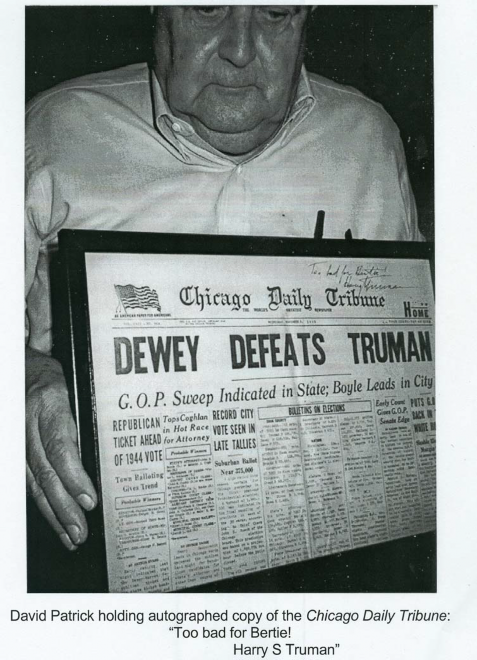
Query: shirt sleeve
38,211
32,242
412,226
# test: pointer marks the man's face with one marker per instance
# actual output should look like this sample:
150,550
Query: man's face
230,71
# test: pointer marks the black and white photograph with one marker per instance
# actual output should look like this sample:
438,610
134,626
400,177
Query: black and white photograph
314,470
238,348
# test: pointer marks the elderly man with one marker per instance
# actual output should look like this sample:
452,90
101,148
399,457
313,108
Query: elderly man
226,134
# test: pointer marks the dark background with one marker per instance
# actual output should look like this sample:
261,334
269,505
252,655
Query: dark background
384,51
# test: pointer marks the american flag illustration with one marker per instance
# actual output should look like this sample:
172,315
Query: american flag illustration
137,296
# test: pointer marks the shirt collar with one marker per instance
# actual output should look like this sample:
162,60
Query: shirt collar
173,128
304,95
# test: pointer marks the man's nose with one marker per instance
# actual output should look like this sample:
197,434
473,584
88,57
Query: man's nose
238,42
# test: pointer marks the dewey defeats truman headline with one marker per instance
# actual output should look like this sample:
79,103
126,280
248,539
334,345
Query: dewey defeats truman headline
267,350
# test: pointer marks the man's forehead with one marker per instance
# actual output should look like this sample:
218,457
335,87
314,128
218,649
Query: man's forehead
167,8
166,16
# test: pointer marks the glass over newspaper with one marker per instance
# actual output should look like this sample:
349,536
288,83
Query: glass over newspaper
258,411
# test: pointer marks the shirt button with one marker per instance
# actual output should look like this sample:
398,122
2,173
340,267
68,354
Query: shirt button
239,169
176,127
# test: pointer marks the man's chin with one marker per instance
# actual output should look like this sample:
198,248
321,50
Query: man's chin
233,135
235,144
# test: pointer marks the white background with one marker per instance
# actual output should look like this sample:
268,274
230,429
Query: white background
455,97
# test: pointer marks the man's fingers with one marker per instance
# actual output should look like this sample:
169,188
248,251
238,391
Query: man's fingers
47,511
62,454
46,482
56,476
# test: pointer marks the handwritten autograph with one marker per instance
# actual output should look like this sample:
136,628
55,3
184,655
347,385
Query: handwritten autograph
361,277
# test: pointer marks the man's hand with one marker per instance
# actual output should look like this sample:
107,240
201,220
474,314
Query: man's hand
55,475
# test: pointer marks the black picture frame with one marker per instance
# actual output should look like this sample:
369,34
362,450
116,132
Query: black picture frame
403,565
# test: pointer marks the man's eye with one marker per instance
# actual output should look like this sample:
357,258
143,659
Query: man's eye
209,12
275,14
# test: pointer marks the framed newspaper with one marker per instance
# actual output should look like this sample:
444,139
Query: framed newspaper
245,404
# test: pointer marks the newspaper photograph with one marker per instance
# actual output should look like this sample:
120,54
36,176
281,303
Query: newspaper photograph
254,411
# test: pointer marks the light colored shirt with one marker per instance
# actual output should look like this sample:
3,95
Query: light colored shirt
105,152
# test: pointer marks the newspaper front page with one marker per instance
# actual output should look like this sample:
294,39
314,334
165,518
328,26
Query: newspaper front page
258,411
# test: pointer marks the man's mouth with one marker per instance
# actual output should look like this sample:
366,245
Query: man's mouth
234,85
